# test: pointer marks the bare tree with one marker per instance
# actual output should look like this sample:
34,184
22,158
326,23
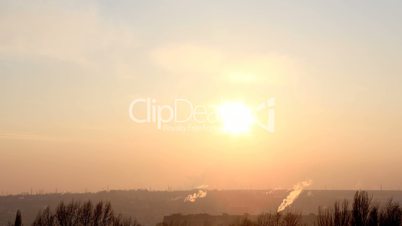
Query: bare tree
268,219
361,208
107,218
324,217
86,213
246,221
373,216
277,219
82,214
98,213
341,213
45,217
18,219
291,219
391,215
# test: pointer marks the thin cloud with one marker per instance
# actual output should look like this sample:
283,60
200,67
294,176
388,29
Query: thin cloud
74,35
188,59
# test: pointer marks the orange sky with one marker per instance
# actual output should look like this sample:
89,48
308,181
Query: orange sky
69,72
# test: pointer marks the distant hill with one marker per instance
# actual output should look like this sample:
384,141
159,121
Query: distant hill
149,207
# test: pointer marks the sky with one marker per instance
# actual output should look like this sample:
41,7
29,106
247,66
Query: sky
69,71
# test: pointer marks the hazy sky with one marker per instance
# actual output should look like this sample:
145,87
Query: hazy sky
70,69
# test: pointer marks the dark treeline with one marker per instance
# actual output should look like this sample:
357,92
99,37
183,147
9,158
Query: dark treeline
79,214
361,212
277,219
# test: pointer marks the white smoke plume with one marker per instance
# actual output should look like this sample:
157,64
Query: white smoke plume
297,189
197,195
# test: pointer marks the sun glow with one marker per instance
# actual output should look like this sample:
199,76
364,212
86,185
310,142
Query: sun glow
236,117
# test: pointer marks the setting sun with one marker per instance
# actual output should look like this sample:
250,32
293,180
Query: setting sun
236,117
